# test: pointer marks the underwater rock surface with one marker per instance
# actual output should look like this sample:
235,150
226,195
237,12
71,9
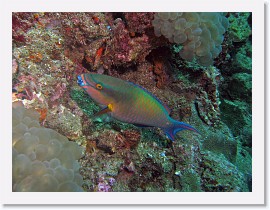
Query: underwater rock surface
210,90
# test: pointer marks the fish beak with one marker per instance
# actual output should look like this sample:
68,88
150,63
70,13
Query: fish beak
80,81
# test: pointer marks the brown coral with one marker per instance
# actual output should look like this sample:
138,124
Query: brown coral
159,70
132,138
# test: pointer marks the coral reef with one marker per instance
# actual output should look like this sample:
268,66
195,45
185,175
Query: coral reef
139,22
236,113
208,101
123,49
159,70
240,86
43,160
220,175
191,181
200,34
239,28
222,142
243,61
200,68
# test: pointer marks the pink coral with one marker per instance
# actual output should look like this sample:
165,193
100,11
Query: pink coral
125,50
21,23
14,67
59,91
139,21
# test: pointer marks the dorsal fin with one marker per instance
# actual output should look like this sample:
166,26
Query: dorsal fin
165,106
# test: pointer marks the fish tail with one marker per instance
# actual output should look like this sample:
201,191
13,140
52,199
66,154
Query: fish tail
177,126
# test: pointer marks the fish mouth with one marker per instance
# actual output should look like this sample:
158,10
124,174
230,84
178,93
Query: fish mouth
80,81
84,82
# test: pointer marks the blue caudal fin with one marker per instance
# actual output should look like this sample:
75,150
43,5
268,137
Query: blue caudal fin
176,127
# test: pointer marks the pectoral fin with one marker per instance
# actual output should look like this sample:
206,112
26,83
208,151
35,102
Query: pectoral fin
106,110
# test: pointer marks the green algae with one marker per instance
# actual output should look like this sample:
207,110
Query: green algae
236,114
190,181
220,175
241,86
239,29
221,142
83,100
243,58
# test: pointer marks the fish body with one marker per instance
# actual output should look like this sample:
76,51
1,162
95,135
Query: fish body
130,103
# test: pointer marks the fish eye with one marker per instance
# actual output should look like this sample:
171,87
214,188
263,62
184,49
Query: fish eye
99,86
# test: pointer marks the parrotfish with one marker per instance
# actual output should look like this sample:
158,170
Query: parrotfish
130,103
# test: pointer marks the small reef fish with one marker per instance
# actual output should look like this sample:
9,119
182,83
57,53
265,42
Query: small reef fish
130,103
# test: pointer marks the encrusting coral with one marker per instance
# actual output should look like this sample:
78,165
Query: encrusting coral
42,159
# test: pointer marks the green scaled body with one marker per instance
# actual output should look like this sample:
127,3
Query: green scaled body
130,103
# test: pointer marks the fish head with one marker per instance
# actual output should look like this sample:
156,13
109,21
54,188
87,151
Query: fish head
95,85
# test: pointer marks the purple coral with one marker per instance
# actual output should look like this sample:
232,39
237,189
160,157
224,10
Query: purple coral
111,181
104,187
